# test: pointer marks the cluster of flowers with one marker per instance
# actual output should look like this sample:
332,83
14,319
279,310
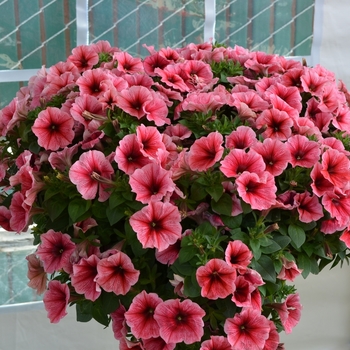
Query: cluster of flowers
176,195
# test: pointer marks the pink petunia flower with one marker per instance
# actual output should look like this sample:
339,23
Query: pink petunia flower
242,295
151,182
55,251
205,152
20,213
119,326
335,167
116,273
345,237
289,270
92,173
180,321
239,161
62,160
86,109
140,316
257,190
170,254
238,255
53,128
83,277
304,153
247,330
320,184
277,124
56,300
157,225
5,216
83,57
289,312
308,206
337,204
36,274
127,63
216,342
289,94
171,76
133,100
275,154
272,341
156,110
128,155
157,344
243,137
150,140
216,279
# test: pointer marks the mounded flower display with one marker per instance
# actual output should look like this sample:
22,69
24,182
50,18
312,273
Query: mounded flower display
177,197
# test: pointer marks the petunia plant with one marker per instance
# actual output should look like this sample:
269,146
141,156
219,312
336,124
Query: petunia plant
177,197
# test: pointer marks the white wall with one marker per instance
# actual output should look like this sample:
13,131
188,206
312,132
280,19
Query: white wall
26,327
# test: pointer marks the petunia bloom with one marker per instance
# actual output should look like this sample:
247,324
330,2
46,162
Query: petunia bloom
55,251
258,191
205,152
289,312
157,225
335,167
128,155
304,153
36,274
239,161
216,342
289,270
180,321
116,273
247,330
53,128
56,300
151,182
216,279
238,255
83,277
92,173
140,316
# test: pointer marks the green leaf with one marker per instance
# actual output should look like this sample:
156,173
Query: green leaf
99,315
115,200
297,234
110,302
114,215
84,311
223,205
255,247
191,287
197,192
77,208
272,247
304,263
55,207
232,221
266,268
133,241
187,253
282,241
215,190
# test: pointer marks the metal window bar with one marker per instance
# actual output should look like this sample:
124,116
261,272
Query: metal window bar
82,13
284,26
